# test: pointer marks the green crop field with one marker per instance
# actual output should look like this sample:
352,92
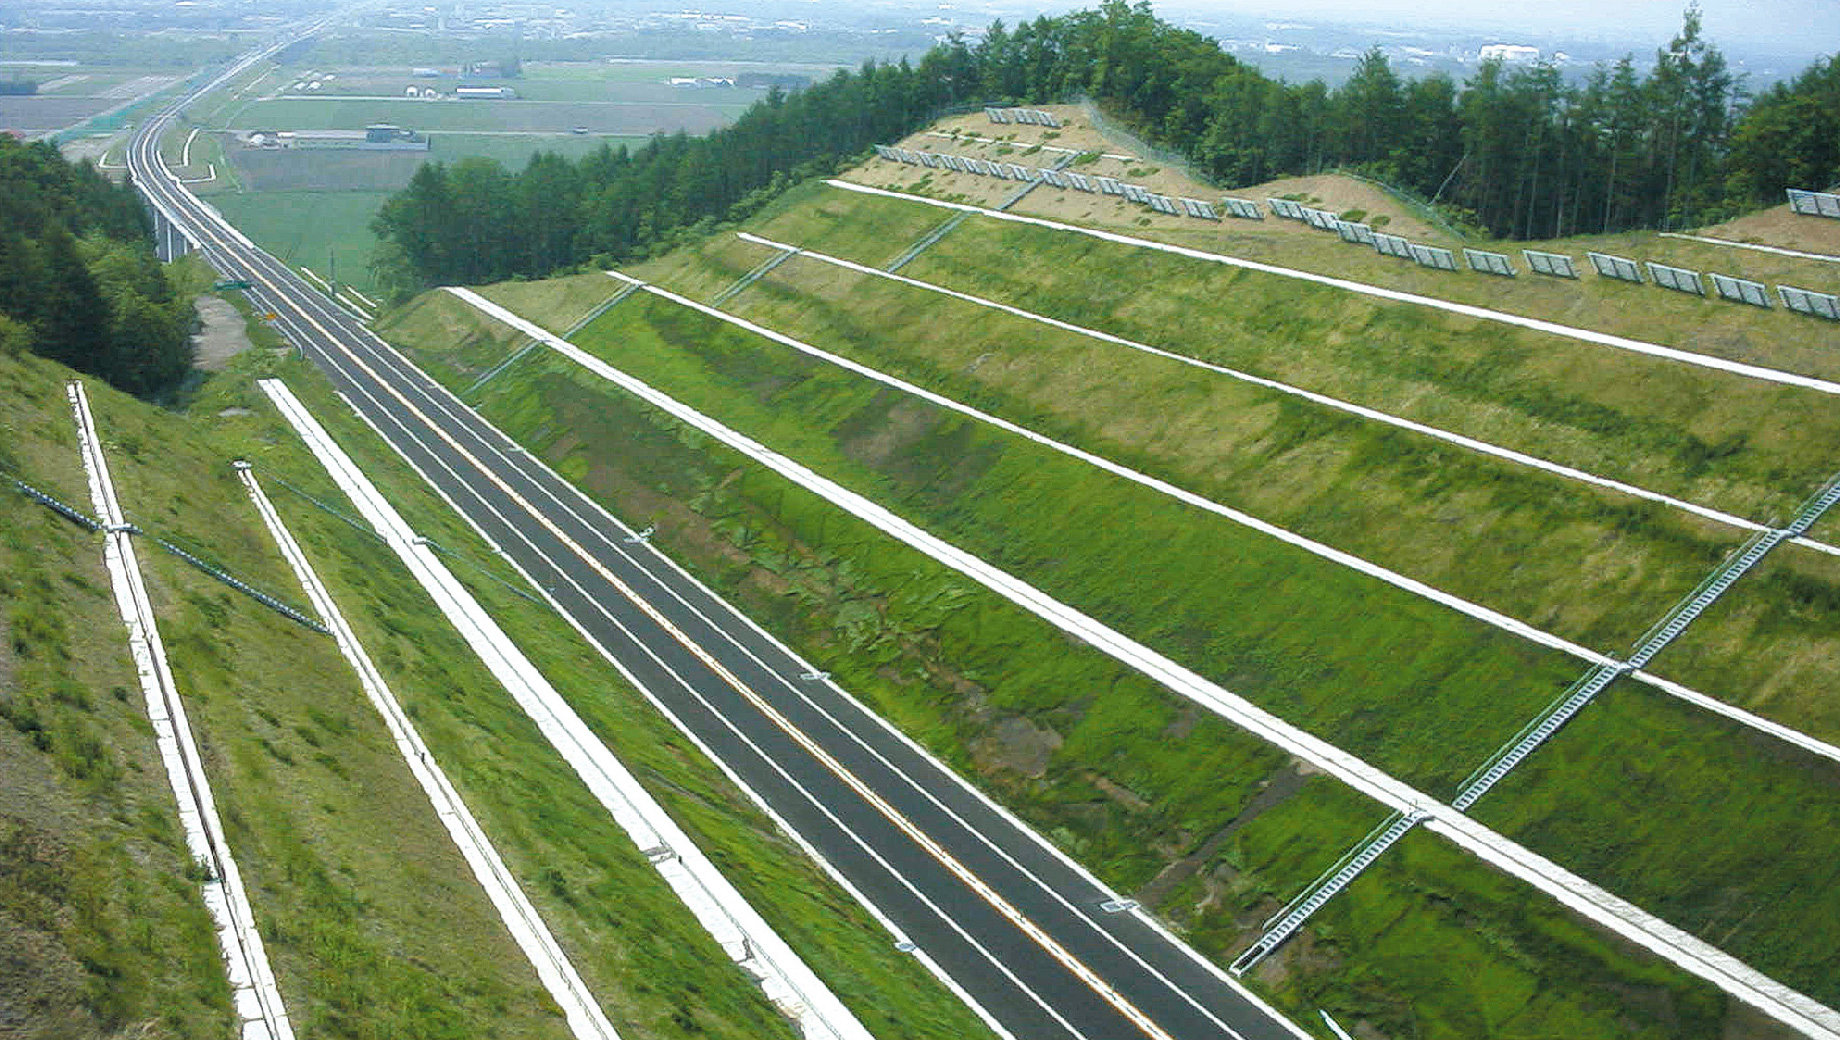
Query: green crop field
319,230
1183,828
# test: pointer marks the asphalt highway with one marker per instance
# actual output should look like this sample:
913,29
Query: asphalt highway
1018,928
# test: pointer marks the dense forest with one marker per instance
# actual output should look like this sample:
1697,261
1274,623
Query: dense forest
78,279
1515,151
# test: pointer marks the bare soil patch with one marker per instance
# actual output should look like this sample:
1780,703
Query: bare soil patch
1783,228
221,333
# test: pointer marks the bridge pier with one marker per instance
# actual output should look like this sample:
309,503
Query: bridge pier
169,241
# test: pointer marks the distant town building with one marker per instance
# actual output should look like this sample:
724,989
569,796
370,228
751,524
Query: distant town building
1509,52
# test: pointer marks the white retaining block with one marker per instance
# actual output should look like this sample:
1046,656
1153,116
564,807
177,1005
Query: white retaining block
552,965
252,982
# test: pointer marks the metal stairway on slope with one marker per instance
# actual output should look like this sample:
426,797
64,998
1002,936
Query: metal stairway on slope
1543,726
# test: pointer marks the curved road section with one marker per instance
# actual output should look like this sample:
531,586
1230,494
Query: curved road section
1036,943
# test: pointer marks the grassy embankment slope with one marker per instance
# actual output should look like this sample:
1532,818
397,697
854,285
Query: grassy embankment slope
1592,566
1669,834
1019,710
374,924
1415,688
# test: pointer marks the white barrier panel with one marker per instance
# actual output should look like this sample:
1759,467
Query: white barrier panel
1679,279
1557,265
1740,290
1618,267
1489,263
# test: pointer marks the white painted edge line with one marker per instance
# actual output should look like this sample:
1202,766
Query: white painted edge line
717,905
1752,245
352,307
254,993
521,919
1583,335
1481,613
1474,610
1618,915
1471,443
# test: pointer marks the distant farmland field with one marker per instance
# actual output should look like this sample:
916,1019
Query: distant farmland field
324,169
606,117
309,228
37,115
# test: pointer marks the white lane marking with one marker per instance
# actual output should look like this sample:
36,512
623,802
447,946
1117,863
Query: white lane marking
1608,910
255,995
1483,447
1584,335
520,917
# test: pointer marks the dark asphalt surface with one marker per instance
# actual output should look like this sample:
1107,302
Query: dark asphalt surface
1011,953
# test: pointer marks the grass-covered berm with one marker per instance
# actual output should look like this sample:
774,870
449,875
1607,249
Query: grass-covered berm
1198,819
1592,565
374,924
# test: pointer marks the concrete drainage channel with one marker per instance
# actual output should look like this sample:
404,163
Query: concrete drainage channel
786,979
559,976
257,1000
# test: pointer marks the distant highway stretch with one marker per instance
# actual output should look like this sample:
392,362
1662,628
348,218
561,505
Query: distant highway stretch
1016,926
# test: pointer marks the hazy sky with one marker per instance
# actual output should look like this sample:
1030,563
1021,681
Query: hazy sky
1801,26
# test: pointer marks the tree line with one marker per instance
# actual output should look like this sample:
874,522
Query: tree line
79,282
1515,151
